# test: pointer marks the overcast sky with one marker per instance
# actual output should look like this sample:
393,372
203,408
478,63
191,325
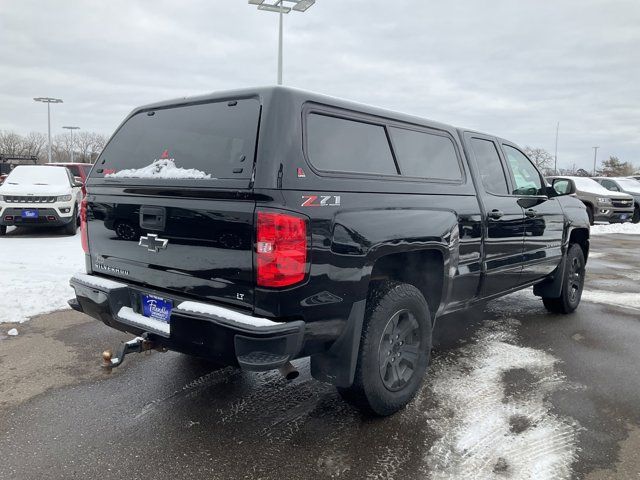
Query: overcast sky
512,68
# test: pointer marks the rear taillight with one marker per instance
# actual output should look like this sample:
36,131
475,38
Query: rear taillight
83,225
281,249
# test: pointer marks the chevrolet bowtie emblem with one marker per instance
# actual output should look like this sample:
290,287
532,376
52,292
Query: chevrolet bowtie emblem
152,243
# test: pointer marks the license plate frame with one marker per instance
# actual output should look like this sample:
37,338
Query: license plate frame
155,307
29,213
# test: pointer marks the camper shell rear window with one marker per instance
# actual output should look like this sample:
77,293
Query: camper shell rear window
200,142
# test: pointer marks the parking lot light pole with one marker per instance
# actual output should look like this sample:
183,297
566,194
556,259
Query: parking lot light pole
555,161
48,101
279,6
595,156
71,129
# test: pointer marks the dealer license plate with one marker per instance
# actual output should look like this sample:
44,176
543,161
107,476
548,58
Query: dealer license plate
29,214
156,307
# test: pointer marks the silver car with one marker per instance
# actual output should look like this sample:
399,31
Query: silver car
602,205
626,185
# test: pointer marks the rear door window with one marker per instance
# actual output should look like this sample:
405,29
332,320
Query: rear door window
340,145
490,166
195,142
426,155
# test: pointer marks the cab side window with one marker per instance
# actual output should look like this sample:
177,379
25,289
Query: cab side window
525,176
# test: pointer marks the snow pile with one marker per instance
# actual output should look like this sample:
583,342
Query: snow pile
164,168
604,229
36,268
493,418
13,332
618,299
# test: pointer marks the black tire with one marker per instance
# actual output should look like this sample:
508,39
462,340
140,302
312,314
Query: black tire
572,283
398,313
636,214
590,214
72,227
3,230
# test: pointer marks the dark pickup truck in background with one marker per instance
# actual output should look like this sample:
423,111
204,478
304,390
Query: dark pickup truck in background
255,227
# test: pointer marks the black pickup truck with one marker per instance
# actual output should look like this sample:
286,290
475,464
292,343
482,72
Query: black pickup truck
254,227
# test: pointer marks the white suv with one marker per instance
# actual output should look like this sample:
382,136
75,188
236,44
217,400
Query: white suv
40,195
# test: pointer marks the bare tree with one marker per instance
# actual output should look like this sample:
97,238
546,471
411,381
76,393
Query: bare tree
86,145
33,144
542,159
98,141
11,143
614,167
61,147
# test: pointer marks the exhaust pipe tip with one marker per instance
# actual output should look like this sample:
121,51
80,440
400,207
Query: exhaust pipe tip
288,371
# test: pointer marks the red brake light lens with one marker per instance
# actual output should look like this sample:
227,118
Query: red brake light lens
281,249
83,225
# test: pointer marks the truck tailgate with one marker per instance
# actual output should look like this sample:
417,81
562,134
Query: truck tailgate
191,247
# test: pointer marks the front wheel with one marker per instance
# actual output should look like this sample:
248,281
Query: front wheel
72,227
572,283
3,230
636,215
394,349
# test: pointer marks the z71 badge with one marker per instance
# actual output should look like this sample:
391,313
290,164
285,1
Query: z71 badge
320,201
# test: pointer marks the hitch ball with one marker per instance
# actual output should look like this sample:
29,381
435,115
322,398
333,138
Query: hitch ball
106,357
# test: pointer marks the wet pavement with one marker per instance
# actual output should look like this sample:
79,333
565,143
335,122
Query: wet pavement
513,392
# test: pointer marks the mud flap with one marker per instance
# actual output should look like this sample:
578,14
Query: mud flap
552,287
338,365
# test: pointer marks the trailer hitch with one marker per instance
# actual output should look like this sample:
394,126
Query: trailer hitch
138,344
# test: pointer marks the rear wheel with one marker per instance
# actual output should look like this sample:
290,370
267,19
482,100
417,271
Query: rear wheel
394,350
572,284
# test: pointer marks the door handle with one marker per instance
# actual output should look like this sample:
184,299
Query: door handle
531,213
496,214
152,218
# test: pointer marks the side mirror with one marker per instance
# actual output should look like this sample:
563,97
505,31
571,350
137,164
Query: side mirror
560,187
78,184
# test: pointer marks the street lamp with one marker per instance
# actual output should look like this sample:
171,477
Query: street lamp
595,156
279,6
71,129
48,101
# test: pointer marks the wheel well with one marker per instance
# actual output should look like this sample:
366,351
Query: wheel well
588,204
424,269
581,237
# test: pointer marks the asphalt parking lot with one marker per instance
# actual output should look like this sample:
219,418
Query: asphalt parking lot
513,392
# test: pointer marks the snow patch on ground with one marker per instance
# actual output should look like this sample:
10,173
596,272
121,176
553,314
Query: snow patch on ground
164,168
489,424
13,332
619,299
36,269
608,228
